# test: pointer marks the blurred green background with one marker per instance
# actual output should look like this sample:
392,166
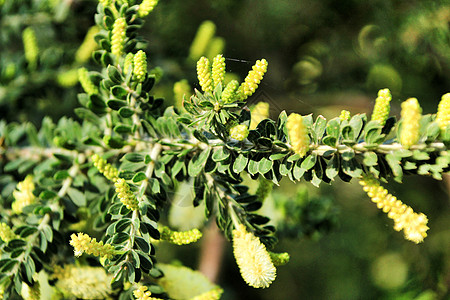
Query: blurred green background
323,56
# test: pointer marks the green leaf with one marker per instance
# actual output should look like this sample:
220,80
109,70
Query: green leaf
370,159
319,128
87,115
333,128
220,154
77,197
309,162
240,163
332,167
196,164
126,112
116,104
119,91
47,195
114,74
134,157
122,128
264,165
138,177
329,141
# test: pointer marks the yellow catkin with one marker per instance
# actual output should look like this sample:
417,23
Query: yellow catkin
140,66
125,195
83,282
88,46
23,195
259,112
118,36
239,132
142,293
298,133
279,259
30,47
67,78
128,63
414,225
411,114
6,233
181,89
443,113
345,115
382,106
82,242
204,74
213,294
229,93
146,7
218,70
85,81
31,292
180,237
105,168
254,77
215,47
204,34
252,258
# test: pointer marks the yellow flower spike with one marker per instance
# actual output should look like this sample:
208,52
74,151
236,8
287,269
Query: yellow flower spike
128,63
218,70
202,38
67,78
204,74
23,194
146,7
140,66
259,112
239,132
213,294
88,46
382,106
85,81
264,189
253,260
254,77
180,282
103,167
279,259
414,225
345,115
84,243
443,113
181,89
298,133
83,282
180,237
118,36
142,293
125,195
229,93
411,114
31,292
30,47
6,233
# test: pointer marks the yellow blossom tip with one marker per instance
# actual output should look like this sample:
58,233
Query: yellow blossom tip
82,243
105,168
443,113
229,93
255,264
411,114
88,86
204,74
125,194
279,259
118,36
239,132
298,134
382,106
180,237
140,66
6,233
345,115
259,112
254,77
218,70
146,7
23,194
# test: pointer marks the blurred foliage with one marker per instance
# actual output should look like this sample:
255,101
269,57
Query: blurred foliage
324,55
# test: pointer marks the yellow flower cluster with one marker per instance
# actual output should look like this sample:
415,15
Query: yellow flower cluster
382,106
67,78
411,114
229,92
259,112
443,113
202,39
30,47
298,133
414,225
23,194
183,283
218,70
82,282
146,7
180,237
254,77
140,65
85,81
345,115
128,63
213,294
118,36
279,259
142,293
6,233
264,188
31,292
125,195
204,74
239,132
105,168
88,46
84,243
254,261
181,89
